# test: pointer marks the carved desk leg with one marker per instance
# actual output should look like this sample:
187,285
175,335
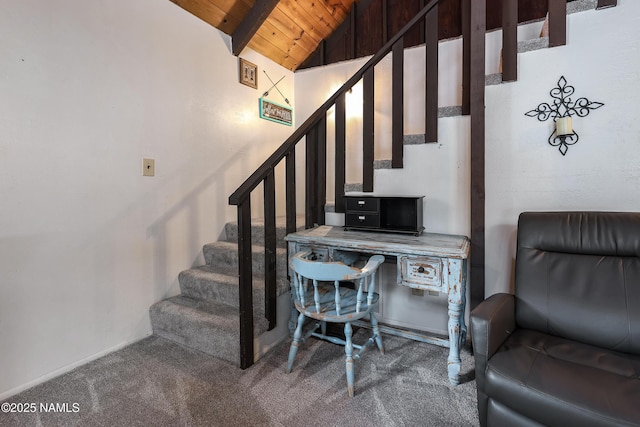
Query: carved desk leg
457,327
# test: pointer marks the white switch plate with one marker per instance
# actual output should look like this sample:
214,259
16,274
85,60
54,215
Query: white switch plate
148,167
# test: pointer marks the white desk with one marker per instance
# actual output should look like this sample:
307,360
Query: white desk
436,262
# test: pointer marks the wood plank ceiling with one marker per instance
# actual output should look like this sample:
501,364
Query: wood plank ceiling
291,32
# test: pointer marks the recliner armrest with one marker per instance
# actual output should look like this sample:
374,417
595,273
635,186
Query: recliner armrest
491,323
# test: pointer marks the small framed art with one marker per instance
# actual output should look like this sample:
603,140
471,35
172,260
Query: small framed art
248,73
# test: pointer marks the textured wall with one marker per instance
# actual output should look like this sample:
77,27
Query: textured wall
523,172
87,243
602,171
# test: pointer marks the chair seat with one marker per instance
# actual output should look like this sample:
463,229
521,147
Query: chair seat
524,374
348,303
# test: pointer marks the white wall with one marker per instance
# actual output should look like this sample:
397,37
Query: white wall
87,244
602,171
523,172
90,88
437,171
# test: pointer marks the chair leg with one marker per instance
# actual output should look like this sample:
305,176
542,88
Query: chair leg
295,343
348,349
376,332
323,328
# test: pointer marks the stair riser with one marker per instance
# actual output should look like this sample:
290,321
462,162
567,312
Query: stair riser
197,329
203,336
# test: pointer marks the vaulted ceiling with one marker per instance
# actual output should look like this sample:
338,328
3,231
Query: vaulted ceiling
286,31
289,32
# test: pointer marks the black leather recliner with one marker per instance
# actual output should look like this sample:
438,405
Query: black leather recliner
565,349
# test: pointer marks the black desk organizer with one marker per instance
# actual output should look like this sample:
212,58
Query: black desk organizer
394,214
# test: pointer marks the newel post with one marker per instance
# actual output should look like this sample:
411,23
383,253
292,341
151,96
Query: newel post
245,282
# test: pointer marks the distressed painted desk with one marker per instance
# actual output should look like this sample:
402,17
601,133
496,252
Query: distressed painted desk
436,262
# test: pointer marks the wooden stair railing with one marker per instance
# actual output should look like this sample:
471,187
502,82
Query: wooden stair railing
313,130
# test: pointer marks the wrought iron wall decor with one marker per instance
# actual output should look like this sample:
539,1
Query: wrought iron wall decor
273,111
275,85
563,107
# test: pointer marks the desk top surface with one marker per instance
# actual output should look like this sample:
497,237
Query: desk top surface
440,245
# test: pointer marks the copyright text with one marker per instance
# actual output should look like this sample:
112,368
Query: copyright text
41,407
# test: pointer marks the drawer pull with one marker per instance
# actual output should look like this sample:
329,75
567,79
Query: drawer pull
362,218
361,202
421,269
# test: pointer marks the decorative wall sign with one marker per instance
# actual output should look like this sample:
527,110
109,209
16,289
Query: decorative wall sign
563,107
248,73
269,110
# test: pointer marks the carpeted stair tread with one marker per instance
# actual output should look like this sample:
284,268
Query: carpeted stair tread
210,327
225,256
207,282
257,230
206,315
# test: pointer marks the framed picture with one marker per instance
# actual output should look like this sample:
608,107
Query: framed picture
248,73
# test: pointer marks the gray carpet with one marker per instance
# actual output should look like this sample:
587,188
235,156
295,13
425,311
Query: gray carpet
155,382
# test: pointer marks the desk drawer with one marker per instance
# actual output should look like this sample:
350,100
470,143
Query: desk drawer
364,204
362,220
420,272
317,253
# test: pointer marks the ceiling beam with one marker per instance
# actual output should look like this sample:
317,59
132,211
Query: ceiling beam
251,23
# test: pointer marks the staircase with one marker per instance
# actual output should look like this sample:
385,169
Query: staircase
228,303
205,316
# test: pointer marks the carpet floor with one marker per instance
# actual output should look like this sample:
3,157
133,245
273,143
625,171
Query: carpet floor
155,382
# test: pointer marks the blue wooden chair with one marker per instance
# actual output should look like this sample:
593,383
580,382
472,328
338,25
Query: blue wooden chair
319,295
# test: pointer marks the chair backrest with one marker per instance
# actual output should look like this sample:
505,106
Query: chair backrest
578,277
336,272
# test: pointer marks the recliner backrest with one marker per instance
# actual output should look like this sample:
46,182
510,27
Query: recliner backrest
578,277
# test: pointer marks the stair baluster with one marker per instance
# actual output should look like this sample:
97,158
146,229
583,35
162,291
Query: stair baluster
431,86
270,249
557,22
509,40
313,130
368,130
397,102
210,309
290,164
340,148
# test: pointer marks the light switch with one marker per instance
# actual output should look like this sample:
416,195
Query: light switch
148,167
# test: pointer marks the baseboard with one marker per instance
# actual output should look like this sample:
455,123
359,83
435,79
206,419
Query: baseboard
68,368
